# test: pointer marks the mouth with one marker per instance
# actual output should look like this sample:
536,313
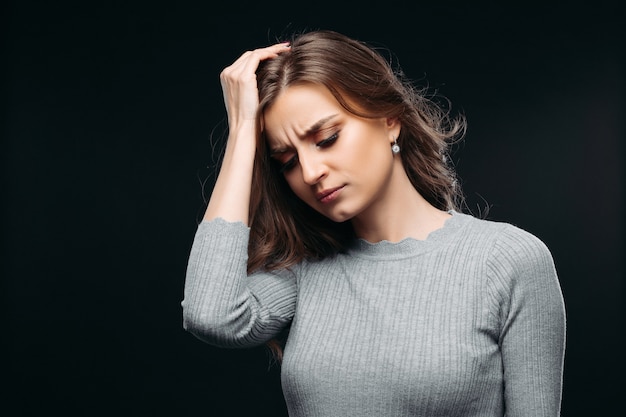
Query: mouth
328,195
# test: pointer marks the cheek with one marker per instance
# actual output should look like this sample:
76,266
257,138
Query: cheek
294,181
370,153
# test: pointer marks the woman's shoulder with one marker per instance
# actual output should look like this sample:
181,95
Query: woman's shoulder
511,251
500,232
506,245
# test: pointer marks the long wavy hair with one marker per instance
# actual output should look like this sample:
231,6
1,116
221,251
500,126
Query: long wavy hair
283,229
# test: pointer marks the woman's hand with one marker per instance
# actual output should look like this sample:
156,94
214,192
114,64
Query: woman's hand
239,84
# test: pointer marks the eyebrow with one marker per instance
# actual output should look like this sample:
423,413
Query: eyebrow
309,132
318,125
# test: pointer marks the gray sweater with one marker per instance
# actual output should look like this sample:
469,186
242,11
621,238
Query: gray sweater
469,322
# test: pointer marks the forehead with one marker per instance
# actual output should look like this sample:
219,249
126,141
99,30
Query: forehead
299,108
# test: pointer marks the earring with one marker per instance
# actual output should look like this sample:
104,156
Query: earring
395,148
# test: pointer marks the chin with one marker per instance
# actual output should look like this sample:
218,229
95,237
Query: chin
338,217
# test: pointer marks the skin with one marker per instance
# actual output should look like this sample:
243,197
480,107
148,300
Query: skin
370,187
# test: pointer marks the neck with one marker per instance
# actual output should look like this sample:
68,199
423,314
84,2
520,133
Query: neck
400,213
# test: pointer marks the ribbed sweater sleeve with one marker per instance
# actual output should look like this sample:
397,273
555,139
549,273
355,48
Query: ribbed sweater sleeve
224,306
524,284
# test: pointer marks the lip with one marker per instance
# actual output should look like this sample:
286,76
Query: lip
329,194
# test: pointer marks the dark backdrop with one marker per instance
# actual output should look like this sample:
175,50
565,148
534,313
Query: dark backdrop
109,110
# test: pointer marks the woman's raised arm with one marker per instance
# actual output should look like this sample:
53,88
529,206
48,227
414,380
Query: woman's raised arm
230,198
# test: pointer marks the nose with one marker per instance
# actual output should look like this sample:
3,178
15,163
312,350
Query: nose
313,169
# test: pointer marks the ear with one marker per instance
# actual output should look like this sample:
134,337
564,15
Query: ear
394,127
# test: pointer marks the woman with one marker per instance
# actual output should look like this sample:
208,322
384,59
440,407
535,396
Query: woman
335,220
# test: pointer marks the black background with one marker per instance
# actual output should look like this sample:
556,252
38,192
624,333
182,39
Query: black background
112,119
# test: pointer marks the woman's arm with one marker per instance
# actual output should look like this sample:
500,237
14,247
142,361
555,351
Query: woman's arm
230,198
532,334
222,305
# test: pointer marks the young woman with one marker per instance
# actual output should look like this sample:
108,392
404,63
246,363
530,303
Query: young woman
335,221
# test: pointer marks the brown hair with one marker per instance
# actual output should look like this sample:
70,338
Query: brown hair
284,230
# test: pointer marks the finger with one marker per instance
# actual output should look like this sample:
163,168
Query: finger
261,53
249,61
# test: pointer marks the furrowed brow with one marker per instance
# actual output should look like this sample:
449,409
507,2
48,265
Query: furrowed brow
318,125
309,132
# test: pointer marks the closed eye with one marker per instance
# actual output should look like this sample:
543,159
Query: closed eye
291,162
328,141
286,166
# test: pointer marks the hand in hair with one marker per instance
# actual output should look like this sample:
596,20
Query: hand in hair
239,84
230,198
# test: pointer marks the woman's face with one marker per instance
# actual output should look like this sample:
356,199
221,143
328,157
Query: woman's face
336,162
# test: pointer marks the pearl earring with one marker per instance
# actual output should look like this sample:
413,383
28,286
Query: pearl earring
395,148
